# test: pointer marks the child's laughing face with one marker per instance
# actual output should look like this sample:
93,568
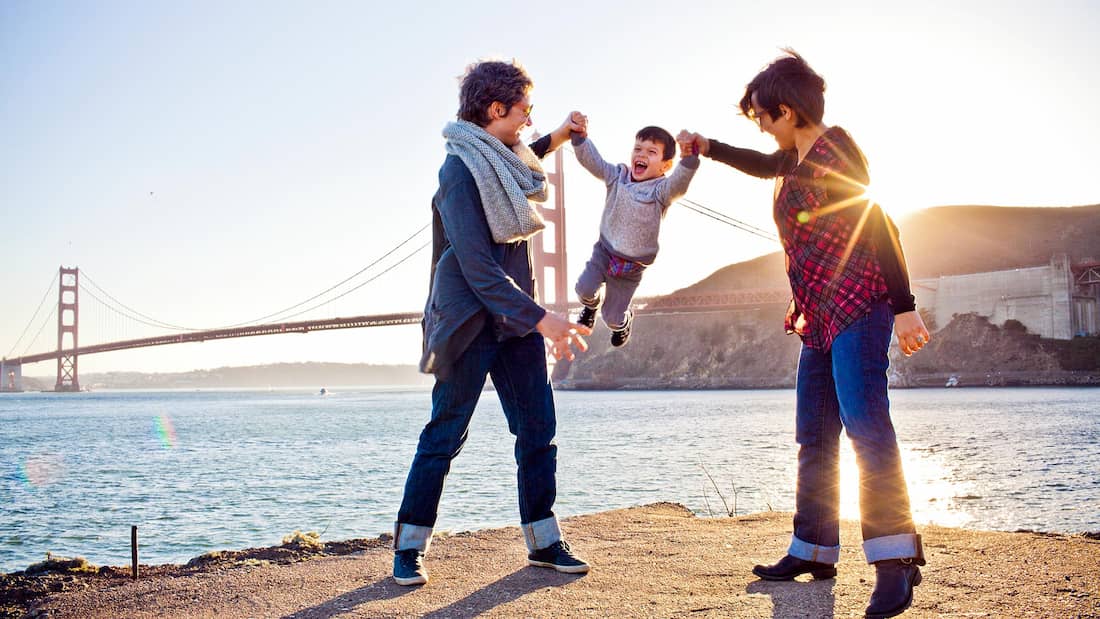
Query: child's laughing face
647,161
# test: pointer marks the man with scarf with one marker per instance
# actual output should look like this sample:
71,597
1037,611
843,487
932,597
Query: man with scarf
482,319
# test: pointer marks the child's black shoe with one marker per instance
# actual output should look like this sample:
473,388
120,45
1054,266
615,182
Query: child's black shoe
587,317
622,334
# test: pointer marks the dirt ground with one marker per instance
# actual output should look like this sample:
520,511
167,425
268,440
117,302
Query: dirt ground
650,561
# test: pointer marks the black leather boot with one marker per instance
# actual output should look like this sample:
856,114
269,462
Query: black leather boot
894,582
788,567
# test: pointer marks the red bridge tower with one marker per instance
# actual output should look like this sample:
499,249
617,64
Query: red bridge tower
67,306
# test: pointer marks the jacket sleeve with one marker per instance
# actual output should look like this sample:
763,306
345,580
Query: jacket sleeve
677,184
749,161
541,145
467,230
590,158
891,260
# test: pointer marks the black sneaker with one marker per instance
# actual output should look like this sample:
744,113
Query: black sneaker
558,556
408,567
621,335
587,317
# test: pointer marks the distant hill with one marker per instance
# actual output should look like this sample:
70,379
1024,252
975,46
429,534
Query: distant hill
953,240
748,348
311,375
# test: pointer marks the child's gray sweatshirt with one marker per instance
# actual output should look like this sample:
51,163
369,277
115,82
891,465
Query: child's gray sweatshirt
633,211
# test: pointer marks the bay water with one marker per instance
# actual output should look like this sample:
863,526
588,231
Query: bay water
199,471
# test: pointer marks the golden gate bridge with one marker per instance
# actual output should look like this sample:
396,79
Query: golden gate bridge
550,271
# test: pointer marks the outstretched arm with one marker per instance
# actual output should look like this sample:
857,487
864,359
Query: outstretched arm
590,158
751,162
575,122
677,184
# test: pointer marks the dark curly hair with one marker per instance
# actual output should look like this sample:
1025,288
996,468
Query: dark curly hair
788,80
658,135
487,81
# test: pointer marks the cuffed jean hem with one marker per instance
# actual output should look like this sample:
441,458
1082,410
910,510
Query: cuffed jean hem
901,546
541,533
411,537
806,551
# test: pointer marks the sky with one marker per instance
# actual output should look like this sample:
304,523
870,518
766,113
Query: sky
210,163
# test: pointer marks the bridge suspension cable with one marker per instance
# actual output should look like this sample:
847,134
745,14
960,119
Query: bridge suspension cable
30,322
726,219
49,318
341,283
351,290
139,317
152,322
121,309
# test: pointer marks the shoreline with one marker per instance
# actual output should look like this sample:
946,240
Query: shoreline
651,560
302,547
1082,380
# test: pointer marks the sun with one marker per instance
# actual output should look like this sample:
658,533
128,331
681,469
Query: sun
901,193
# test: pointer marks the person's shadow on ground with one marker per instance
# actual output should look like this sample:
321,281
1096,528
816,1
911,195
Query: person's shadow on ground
383,589
798,599
507,589
511,587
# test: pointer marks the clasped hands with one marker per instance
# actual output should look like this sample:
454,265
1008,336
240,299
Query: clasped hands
692,143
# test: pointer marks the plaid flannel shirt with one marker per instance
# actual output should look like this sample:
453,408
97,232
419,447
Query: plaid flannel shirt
831,258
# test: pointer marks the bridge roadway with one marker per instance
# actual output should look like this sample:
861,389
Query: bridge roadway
304,326
643,305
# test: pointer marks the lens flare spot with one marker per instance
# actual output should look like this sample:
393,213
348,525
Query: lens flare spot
165,431
42,469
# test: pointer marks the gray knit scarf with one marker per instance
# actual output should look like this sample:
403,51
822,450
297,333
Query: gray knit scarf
507,178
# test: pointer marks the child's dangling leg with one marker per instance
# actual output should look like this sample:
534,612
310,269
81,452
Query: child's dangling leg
590,286
616,308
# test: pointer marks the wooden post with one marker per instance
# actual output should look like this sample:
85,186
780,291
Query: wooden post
133,552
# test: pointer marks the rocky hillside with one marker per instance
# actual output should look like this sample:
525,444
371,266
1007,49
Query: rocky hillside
977,352
749,349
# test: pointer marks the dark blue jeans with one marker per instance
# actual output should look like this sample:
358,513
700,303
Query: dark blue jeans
518,369
845,388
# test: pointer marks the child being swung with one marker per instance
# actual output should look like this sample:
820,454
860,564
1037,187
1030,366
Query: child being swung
638,197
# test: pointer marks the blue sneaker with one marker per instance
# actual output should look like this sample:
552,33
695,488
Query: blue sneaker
408,567
559,557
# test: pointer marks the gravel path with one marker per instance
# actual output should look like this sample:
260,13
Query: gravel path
649,561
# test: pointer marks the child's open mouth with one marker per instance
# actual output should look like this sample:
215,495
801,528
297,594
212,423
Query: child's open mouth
639,168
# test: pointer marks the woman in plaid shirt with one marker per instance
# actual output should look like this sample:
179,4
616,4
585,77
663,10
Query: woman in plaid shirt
850,286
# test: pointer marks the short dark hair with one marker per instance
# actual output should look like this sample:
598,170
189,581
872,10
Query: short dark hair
788,80
487,81
658,135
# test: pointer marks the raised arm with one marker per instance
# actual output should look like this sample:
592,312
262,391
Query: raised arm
749,161
590,158
575,122
677,184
